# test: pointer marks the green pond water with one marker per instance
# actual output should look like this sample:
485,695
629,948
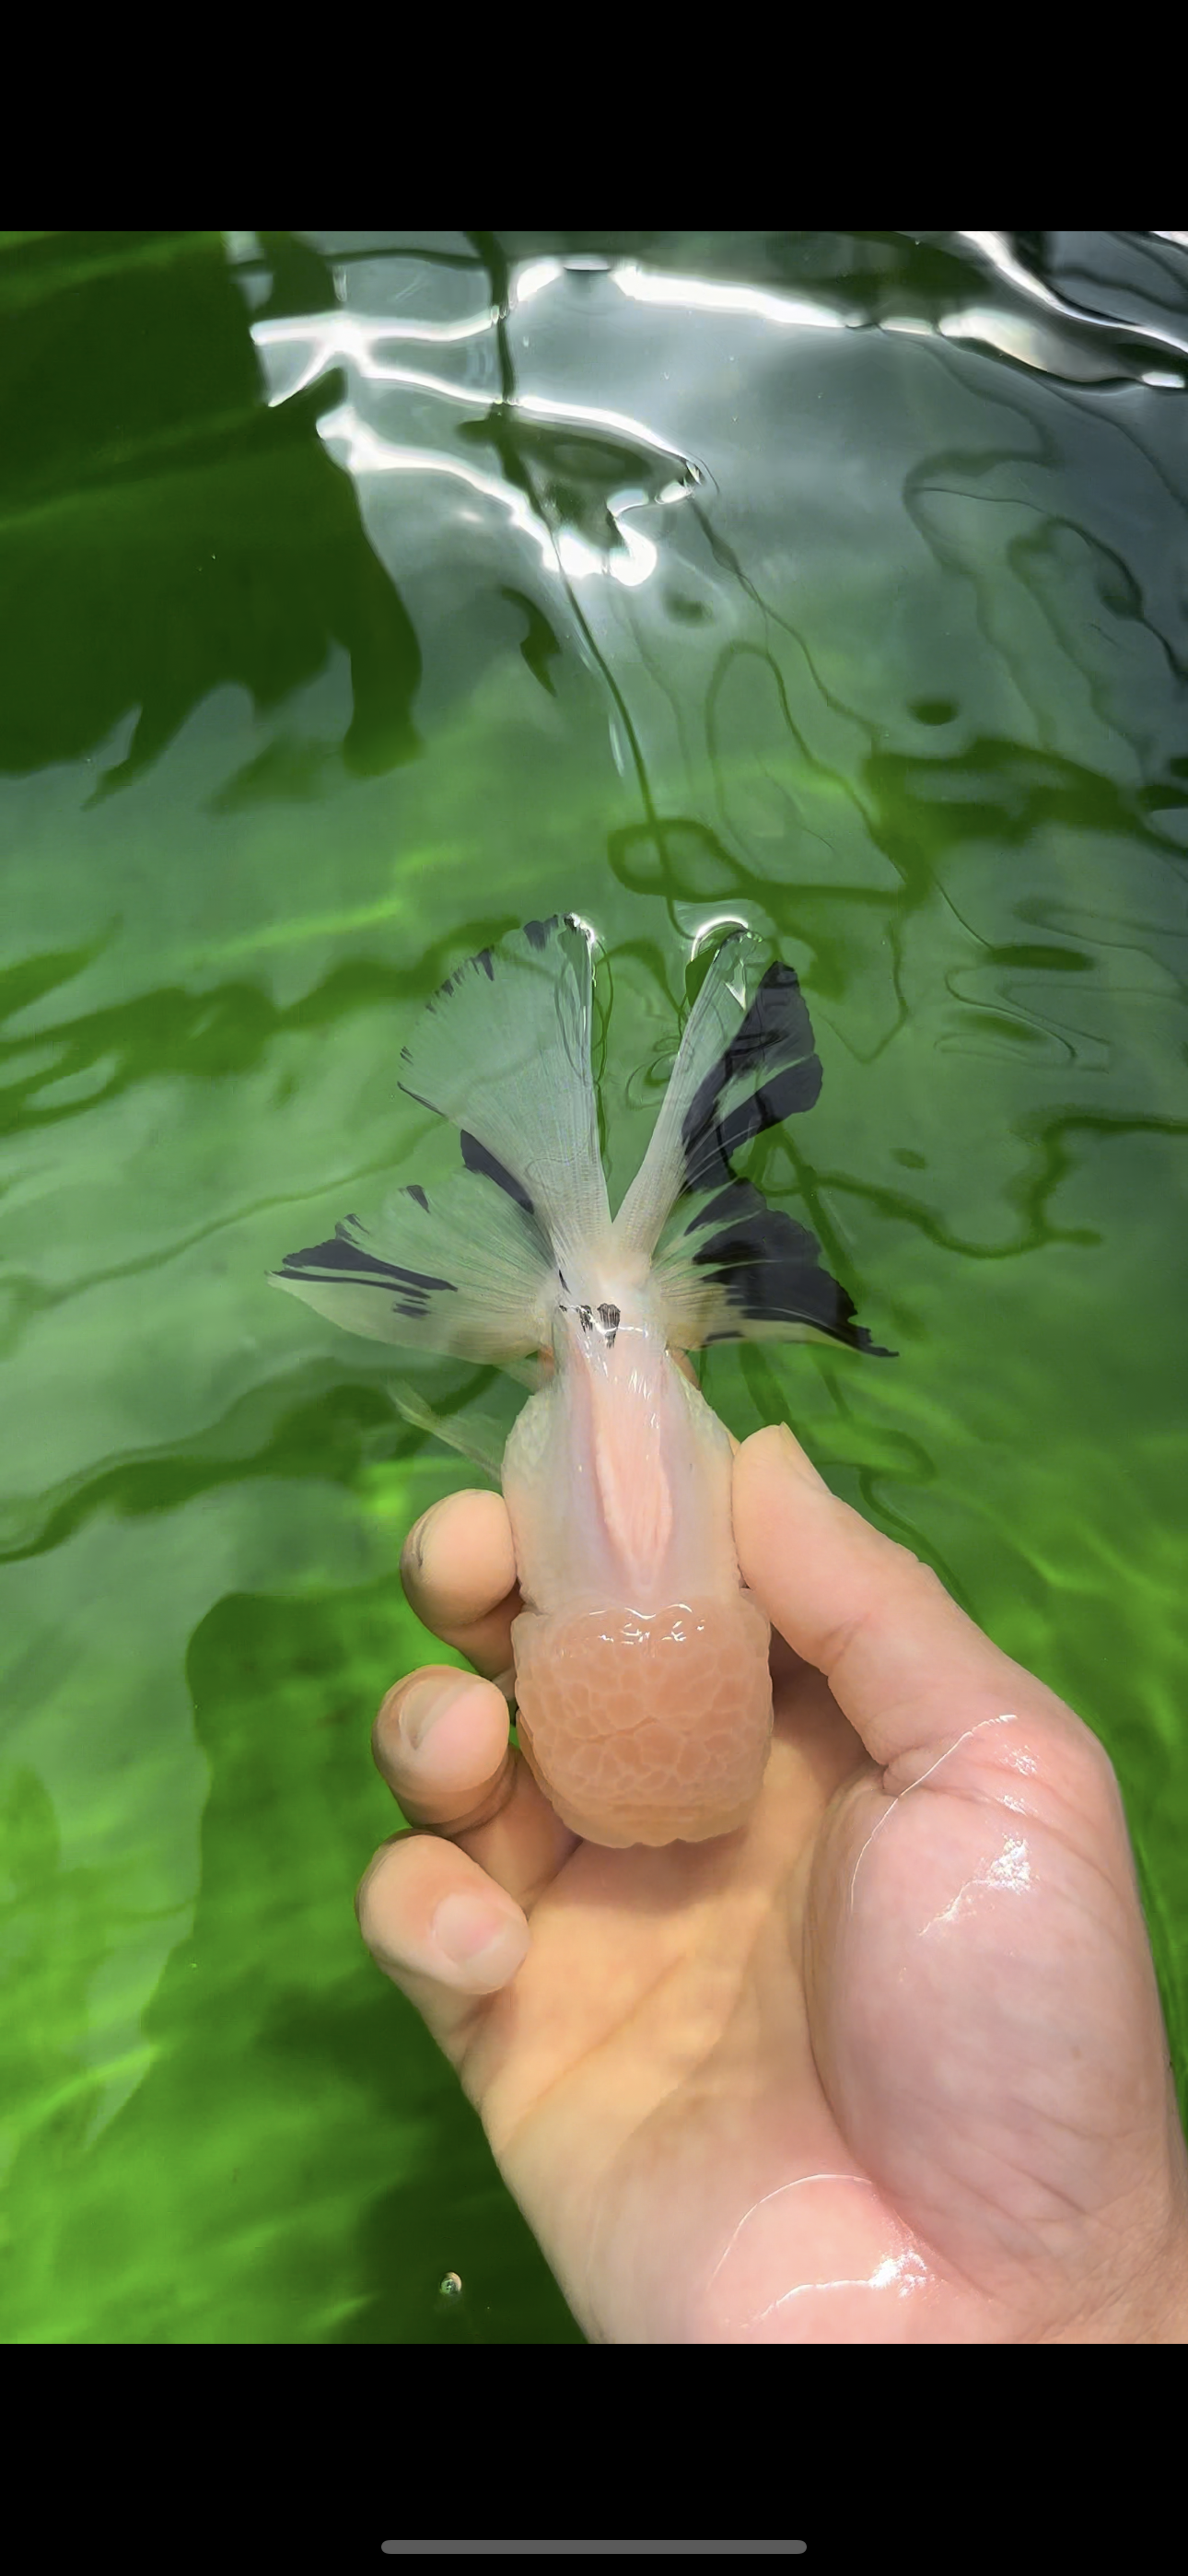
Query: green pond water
362,596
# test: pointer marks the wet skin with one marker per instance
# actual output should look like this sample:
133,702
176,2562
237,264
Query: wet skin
887,2063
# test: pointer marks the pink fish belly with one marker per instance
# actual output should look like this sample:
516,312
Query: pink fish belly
647,1727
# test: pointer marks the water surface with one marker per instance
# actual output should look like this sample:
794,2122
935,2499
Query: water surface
365,594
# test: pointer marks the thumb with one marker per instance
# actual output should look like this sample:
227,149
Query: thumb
904,1663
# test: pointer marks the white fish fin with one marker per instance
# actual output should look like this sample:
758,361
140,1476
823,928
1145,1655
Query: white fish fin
530,1373
730,1268
746,1060
504,1050
478,1441
464,1269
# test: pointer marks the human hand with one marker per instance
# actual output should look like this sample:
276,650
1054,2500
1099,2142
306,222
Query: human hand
887,2065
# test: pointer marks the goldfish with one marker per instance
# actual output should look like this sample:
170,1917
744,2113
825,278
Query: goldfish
642,1678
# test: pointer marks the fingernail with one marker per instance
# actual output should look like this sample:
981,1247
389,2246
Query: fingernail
425,1703
474,1933
413,1550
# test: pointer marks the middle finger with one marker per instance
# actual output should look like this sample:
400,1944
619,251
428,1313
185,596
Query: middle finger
441,1742
458,1570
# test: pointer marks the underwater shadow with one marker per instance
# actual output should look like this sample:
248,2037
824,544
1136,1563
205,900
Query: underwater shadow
163,532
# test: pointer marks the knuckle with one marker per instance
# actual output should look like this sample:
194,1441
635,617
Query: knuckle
925,1578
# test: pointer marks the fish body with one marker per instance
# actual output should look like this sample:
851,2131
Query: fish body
642,1679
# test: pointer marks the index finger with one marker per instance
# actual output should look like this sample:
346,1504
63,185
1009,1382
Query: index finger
458,1569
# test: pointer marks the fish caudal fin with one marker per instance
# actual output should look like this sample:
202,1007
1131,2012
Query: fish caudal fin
728,1266
460,1268
504,1050
470,1266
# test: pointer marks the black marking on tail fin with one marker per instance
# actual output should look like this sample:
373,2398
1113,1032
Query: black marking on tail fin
770,1268
776,1026
477,1159
342,1260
